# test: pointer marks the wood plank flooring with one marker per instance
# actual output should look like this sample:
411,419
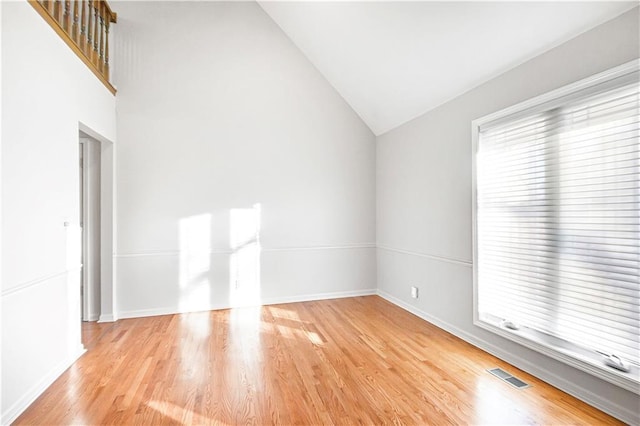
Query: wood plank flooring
346,361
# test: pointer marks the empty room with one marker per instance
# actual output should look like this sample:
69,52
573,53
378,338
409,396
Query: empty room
320,212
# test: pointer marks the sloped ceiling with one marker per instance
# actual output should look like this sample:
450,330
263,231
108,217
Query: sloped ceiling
392,61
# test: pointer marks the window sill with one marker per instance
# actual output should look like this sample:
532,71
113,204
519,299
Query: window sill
573,355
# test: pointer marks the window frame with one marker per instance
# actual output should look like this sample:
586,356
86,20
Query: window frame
571,355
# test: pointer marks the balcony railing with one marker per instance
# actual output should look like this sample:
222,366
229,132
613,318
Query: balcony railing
84,25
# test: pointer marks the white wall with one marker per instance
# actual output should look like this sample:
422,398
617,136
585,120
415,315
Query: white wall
219,112
46,92
424,203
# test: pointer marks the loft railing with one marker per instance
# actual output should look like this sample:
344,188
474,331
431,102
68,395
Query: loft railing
84,25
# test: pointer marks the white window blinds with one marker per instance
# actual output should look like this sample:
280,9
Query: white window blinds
558,218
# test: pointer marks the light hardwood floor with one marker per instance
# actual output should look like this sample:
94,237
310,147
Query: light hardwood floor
346,361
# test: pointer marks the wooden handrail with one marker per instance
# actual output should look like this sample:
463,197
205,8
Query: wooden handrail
84,25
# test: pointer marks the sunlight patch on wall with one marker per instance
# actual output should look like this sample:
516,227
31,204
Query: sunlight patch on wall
195,262
244,267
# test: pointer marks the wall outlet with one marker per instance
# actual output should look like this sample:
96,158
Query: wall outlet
414,292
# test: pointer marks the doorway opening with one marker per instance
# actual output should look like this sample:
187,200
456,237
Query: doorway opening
96,295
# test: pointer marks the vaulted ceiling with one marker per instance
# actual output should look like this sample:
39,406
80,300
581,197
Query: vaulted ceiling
392,61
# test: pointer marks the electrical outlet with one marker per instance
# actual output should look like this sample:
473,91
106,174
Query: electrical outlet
414,292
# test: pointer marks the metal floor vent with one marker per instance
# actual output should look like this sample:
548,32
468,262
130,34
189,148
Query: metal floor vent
514,381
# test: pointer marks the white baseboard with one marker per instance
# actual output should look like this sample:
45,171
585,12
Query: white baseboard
11,414
170,310
319,296
269,301
606,405
107,318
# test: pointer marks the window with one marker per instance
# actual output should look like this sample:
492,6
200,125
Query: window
557,224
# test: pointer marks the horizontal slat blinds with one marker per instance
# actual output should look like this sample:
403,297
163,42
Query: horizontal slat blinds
558,220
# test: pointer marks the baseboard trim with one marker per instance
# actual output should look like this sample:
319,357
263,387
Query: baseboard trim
107,318
319,296
13,412
141,313
572,389
170,310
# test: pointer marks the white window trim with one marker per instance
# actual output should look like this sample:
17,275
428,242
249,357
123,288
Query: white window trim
575,357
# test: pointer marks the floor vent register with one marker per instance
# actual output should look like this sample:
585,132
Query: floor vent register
513,381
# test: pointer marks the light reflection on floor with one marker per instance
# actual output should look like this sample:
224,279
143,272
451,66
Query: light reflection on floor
181,414
193,351
494,403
